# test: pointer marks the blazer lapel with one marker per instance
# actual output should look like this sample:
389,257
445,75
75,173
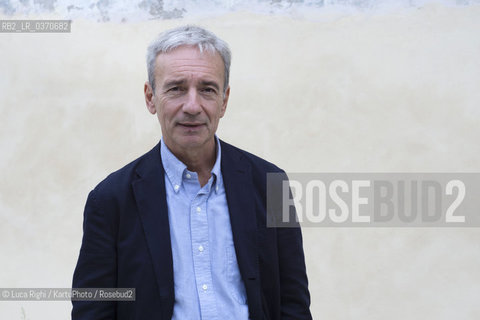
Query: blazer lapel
150,195
241,206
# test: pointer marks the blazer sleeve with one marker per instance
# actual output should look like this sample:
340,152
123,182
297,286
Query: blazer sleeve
294,294
96,266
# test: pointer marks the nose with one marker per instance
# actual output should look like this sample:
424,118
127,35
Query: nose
192,104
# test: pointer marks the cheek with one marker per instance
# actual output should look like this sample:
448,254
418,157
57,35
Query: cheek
165,111
163,118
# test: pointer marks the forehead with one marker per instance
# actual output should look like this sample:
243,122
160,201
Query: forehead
188,61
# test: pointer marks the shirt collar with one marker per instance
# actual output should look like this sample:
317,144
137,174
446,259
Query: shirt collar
175,168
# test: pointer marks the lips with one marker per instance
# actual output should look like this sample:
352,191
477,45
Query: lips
191,125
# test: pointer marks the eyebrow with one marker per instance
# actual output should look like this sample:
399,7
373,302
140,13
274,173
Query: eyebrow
173,83
205,83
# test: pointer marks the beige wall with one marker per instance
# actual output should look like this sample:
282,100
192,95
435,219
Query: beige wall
365,92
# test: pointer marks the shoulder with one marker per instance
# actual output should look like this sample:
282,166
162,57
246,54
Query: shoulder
121,180
254,161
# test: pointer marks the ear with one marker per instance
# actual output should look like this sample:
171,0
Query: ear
225,102
149,97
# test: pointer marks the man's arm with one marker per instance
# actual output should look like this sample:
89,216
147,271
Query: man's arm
96,266
294,295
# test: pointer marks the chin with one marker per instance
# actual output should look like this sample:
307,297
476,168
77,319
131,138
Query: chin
191,142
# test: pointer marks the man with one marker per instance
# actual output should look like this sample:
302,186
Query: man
185,224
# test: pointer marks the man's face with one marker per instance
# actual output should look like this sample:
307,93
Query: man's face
188,97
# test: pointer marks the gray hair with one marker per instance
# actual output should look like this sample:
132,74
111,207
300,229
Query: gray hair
188,35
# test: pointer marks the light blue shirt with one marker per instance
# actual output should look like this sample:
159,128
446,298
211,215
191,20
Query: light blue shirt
208,284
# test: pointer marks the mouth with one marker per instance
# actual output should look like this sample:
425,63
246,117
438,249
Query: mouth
190,125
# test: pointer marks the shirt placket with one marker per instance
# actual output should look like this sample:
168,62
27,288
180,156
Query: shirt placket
201,254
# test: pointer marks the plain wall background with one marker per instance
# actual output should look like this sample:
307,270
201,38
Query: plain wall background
363,91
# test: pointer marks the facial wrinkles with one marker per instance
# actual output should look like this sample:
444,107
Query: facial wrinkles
181,117
205,65
192,84
194,74
191,72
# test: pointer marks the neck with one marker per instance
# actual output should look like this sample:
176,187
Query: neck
200,160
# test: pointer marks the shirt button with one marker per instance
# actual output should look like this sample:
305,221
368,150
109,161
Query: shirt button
176,187
204,287
200,248
199,209
188,175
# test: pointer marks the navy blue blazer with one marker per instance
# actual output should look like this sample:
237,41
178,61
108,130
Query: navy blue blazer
126,243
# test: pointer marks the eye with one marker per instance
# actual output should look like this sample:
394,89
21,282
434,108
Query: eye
209,90
173,89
